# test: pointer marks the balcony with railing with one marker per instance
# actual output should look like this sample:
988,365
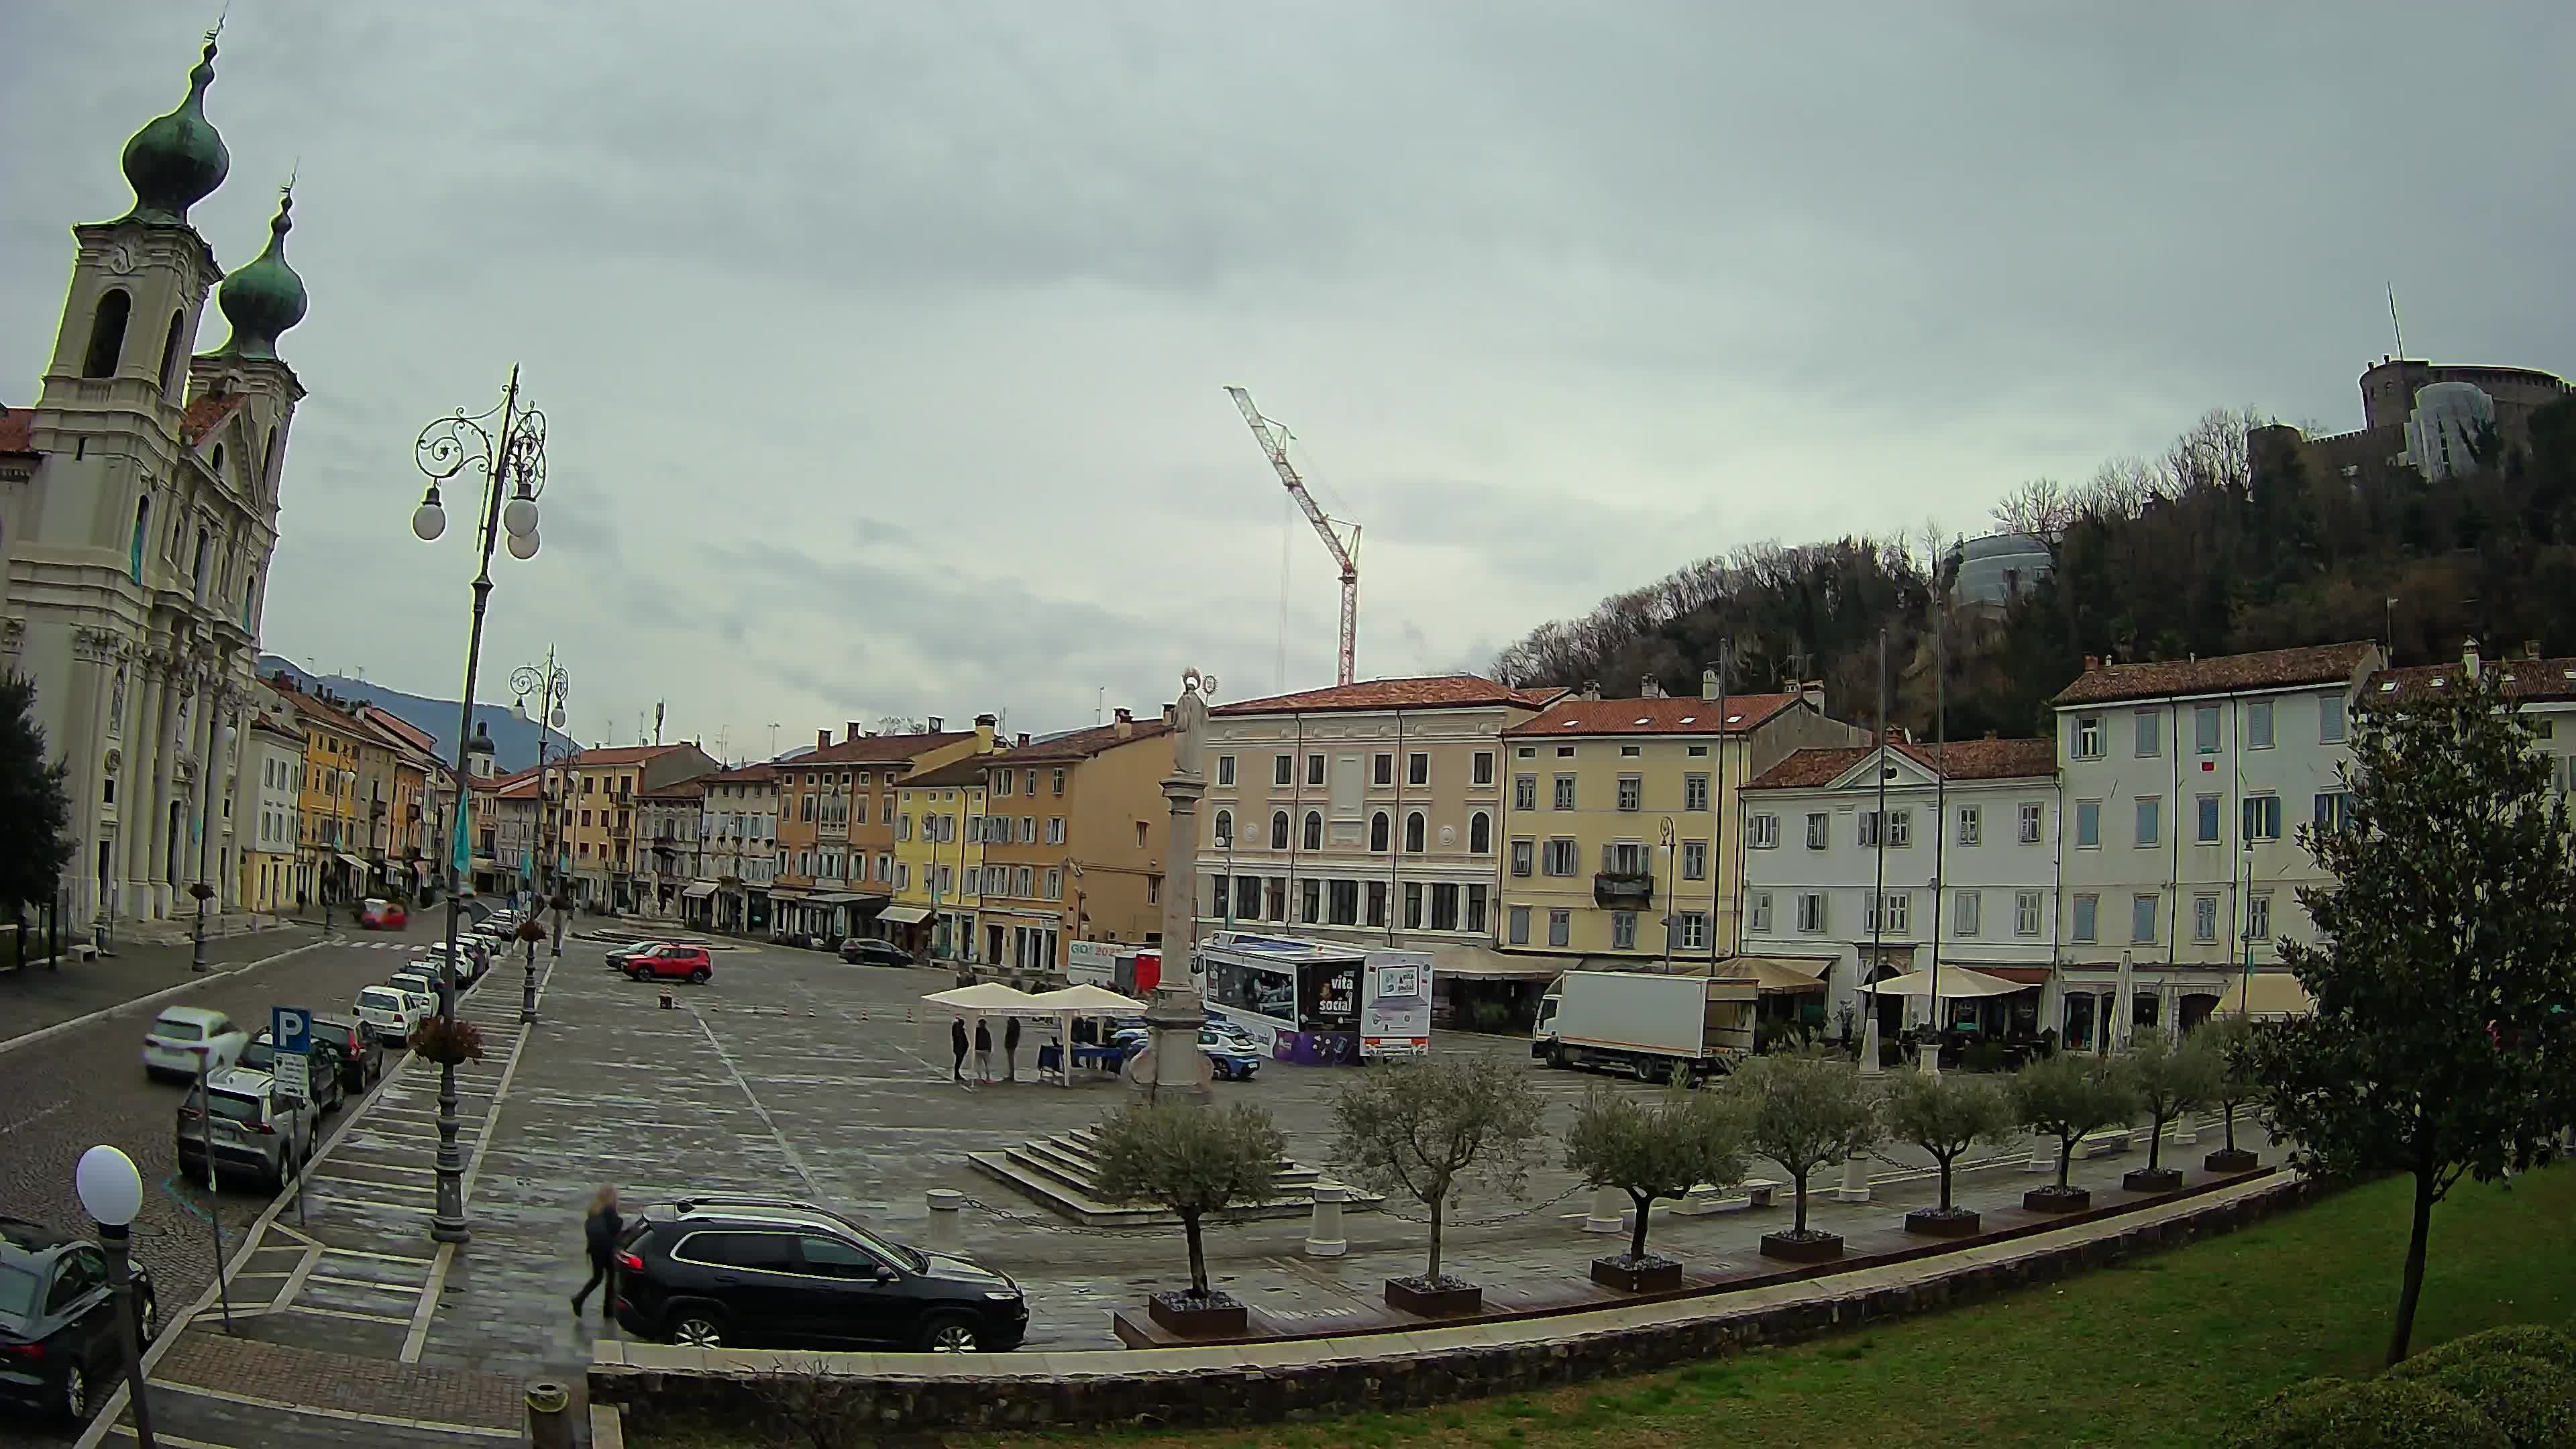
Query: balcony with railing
1623,890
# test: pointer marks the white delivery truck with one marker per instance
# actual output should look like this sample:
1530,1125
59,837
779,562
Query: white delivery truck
1645,1024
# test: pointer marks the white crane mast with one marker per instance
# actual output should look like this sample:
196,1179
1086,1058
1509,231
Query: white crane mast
1274,442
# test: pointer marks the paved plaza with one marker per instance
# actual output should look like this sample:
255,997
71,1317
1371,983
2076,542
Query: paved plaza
790,1073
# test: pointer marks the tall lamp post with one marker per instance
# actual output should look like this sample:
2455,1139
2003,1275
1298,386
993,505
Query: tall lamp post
111,1192
512,462
219,731
551,686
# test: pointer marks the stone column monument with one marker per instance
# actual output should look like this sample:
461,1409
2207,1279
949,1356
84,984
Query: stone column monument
1173,1067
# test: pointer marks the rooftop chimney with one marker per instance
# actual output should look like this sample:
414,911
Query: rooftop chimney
2092,662
1813,692
822,739
2530,648
2469,658
1124,724
1022,742
935,723
1648,688
1591,690
984,731
854,731
1708,685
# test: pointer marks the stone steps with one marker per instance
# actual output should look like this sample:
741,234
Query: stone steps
1063,1173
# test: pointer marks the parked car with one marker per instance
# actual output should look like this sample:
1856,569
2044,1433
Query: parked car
720,1270
1234,1054
418,979
869,951
256,1130
60,1346
668,962
362,1057
382,915
497,925
470,963
180,1033
621,958
322,1072
389,1013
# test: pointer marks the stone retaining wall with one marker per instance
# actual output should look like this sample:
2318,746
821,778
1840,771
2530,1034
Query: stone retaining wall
1270,1383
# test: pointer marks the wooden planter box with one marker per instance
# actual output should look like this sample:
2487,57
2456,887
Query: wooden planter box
1649,1274
1818,1248
2056,1200
1434,1300
2231,1159
1211,1316
1934,1223
2151,1179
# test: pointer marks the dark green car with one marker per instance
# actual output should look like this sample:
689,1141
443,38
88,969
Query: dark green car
59,1346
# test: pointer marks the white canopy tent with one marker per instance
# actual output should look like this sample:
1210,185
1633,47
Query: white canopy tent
1956,982
992,998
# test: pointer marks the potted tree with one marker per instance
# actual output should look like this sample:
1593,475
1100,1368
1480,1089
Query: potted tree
1654,1150
2229,1040
2165,1080
1426,1130
1805,1111
1945,1116
1194,1161
2065,1097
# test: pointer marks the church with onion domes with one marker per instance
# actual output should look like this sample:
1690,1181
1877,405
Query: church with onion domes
138,514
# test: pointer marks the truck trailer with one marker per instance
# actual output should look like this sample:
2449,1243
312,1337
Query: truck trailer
1645,1024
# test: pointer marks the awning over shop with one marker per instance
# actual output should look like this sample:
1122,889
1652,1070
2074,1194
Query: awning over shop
1773,973
1956,982
2026,975
351,861
1477,963
839,898
698,890
786,893
2274,994
904,915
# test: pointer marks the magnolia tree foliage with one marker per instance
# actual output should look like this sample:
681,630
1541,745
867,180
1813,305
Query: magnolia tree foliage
35,813
1946,1115
2166,1080
1805,1111
1428,1129
2443,1043
2068,1095
1191,1160
1657,1149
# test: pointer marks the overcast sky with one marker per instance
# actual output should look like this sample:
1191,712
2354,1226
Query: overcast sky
884,345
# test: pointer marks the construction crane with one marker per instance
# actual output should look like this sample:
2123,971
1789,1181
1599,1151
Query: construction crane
1274,442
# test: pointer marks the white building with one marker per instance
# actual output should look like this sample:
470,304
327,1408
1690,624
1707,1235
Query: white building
272,764
1964,871
2185,782
738,850
138,510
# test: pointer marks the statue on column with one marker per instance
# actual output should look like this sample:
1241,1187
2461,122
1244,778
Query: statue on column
1189,720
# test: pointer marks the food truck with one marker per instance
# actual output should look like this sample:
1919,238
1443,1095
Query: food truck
1319,1003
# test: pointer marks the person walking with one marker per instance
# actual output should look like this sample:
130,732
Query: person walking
957,1044
599,1233
983,1050
1011,1050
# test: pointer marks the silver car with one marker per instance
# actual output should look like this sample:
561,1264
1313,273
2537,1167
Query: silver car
256,1132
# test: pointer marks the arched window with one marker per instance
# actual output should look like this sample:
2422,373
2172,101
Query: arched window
1278,830
142,519
268,458
205,543
1480,833
219,462
107,334
1378,832
1314,830
1224,828
1413,832
170,352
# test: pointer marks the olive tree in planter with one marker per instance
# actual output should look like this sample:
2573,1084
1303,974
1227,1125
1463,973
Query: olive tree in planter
1194,1161
2230,1039
2066,1096
1427,1130
1651,1150
1945,1116
1807,1112
2166,1080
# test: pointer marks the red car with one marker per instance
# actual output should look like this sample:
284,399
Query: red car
667,962
382,915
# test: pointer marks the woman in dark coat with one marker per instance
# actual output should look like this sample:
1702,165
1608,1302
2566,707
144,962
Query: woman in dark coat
957,1044
1011,1050
599,1233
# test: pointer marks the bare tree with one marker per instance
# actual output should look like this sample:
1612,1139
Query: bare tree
2040,508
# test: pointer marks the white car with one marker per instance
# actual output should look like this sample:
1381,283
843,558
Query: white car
180,1034
389,1013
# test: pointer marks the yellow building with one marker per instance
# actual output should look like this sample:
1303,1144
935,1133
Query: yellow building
938,860
1075,829
1621,814
328,868
598,808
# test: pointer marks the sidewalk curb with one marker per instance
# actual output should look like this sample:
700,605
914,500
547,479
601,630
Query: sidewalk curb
46,1033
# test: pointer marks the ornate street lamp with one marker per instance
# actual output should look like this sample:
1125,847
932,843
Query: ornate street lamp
512,461
111,1192
551,686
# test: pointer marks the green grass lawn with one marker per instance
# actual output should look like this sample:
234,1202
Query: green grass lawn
2163,1350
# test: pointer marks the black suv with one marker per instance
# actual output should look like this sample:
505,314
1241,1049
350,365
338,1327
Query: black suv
869,951
59,1345
718,1271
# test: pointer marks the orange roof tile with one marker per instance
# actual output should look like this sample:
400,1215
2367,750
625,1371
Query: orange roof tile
2223,674
875,749
1653,716
1079,745
759,774
207,413
1445,691
2524,679
622,755
17,430
1958,760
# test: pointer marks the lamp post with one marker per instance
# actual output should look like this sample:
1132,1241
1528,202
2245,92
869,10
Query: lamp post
513,462
111,1192
1672,910
218,731
552,686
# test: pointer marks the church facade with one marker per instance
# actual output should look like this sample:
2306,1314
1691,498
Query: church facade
138,514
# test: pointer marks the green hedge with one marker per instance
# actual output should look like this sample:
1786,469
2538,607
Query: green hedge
2524,1340
2375,1414
2534,1403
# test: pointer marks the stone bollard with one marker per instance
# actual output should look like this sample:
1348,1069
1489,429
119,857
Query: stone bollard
667,1002
549,1419
1609,1212
1855,1186
2043,1158
2187,1131
1324,1233
947,1214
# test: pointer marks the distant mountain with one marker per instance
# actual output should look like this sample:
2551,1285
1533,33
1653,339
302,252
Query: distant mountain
514,740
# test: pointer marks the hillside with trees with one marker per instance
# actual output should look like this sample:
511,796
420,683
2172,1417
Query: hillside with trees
2212,547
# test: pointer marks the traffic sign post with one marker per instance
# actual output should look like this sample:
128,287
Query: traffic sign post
291,1029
